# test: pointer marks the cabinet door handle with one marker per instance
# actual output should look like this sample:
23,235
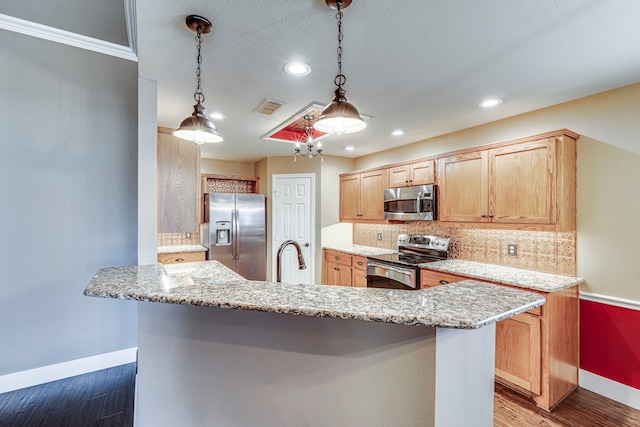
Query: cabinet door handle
490,215
179,259
443,282
337,258
336,268
360,263
483,215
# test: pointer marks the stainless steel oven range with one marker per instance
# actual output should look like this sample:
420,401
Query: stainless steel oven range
401,270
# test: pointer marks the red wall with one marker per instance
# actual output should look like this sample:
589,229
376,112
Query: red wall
610,342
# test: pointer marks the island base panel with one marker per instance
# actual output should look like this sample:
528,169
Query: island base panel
208,366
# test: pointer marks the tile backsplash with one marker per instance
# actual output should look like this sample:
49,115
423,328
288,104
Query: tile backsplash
546,251
172,239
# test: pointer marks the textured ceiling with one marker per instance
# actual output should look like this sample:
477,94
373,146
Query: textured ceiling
419,65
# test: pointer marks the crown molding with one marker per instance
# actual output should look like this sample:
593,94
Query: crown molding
68,38
132,29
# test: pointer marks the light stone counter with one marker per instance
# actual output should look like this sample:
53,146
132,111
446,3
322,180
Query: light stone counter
463,305
361,250
174,249
528,279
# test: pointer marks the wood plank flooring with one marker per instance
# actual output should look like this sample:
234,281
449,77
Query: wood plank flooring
97,399
105,399
582,408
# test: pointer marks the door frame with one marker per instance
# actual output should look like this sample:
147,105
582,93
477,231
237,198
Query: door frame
311,262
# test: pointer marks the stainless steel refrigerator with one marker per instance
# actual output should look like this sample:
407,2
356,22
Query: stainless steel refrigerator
235,232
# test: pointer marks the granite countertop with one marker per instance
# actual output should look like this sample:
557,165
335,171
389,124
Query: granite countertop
174,249
360,250
463,305
528,279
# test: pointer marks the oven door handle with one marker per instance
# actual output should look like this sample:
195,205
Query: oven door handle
418,202
406,276
392,268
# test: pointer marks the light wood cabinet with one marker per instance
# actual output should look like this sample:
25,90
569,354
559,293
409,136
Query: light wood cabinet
342,269
177,258
536,351
419,173
531,182
362,195
518,351
178,184
430,278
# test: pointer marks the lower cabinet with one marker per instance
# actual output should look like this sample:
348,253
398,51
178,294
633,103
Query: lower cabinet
518,351
536,351
177,258
342,269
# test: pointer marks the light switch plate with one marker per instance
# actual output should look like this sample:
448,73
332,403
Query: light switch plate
379,236
512,249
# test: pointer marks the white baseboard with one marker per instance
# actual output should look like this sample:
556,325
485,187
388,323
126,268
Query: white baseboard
613,390
68,369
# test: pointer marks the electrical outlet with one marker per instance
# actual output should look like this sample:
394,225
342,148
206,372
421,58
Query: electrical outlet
187,235
379,236
512,249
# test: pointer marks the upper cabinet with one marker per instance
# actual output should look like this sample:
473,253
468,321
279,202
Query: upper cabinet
531,182
178,184
362,195
419,173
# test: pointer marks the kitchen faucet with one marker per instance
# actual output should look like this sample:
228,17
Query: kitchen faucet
301,263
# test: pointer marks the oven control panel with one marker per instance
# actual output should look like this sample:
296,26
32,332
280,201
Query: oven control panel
424,241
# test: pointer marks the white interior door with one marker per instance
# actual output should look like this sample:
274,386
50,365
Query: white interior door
294,219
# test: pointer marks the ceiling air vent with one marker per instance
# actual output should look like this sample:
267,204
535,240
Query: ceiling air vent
268,106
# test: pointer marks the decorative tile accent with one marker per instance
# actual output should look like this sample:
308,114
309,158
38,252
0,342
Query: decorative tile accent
215,185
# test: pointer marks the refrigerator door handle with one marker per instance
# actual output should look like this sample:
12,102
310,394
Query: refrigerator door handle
236,238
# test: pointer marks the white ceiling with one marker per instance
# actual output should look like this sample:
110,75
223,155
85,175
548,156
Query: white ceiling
419,65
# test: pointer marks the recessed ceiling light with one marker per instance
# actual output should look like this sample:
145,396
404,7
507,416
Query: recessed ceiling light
492,102
349,148
398,132
297,69
216,115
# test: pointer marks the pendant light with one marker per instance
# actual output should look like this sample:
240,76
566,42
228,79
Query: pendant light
198,127
340,116
311,149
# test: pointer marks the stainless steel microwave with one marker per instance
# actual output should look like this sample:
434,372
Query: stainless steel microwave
417,203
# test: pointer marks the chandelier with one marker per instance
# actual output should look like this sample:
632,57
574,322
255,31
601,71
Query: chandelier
310,148
198,127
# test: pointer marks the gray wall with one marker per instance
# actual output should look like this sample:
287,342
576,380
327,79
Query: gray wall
68,200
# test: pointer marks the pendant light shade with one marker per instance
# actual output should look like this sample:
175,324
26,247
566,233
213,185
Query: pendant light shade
198,127
340,116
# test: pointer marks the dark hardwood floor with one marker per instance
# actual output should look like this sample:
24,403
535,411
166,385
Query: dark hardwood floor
105,399
97,399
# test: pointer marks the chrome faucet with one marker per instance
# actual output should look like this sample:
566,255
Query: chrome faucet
301,264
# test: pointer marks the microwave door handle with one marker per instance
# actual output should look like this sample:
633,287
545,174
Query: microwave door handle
418,203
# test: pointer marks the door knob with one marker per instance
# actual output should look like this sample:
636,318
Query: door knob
307,244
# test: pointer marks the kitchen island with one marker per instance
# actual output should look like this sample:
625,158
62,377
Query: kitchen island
348,357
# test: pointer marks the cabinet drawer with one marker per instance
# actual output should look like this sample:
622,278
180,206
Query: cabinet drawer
359,262
430,278
180,257
338,257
